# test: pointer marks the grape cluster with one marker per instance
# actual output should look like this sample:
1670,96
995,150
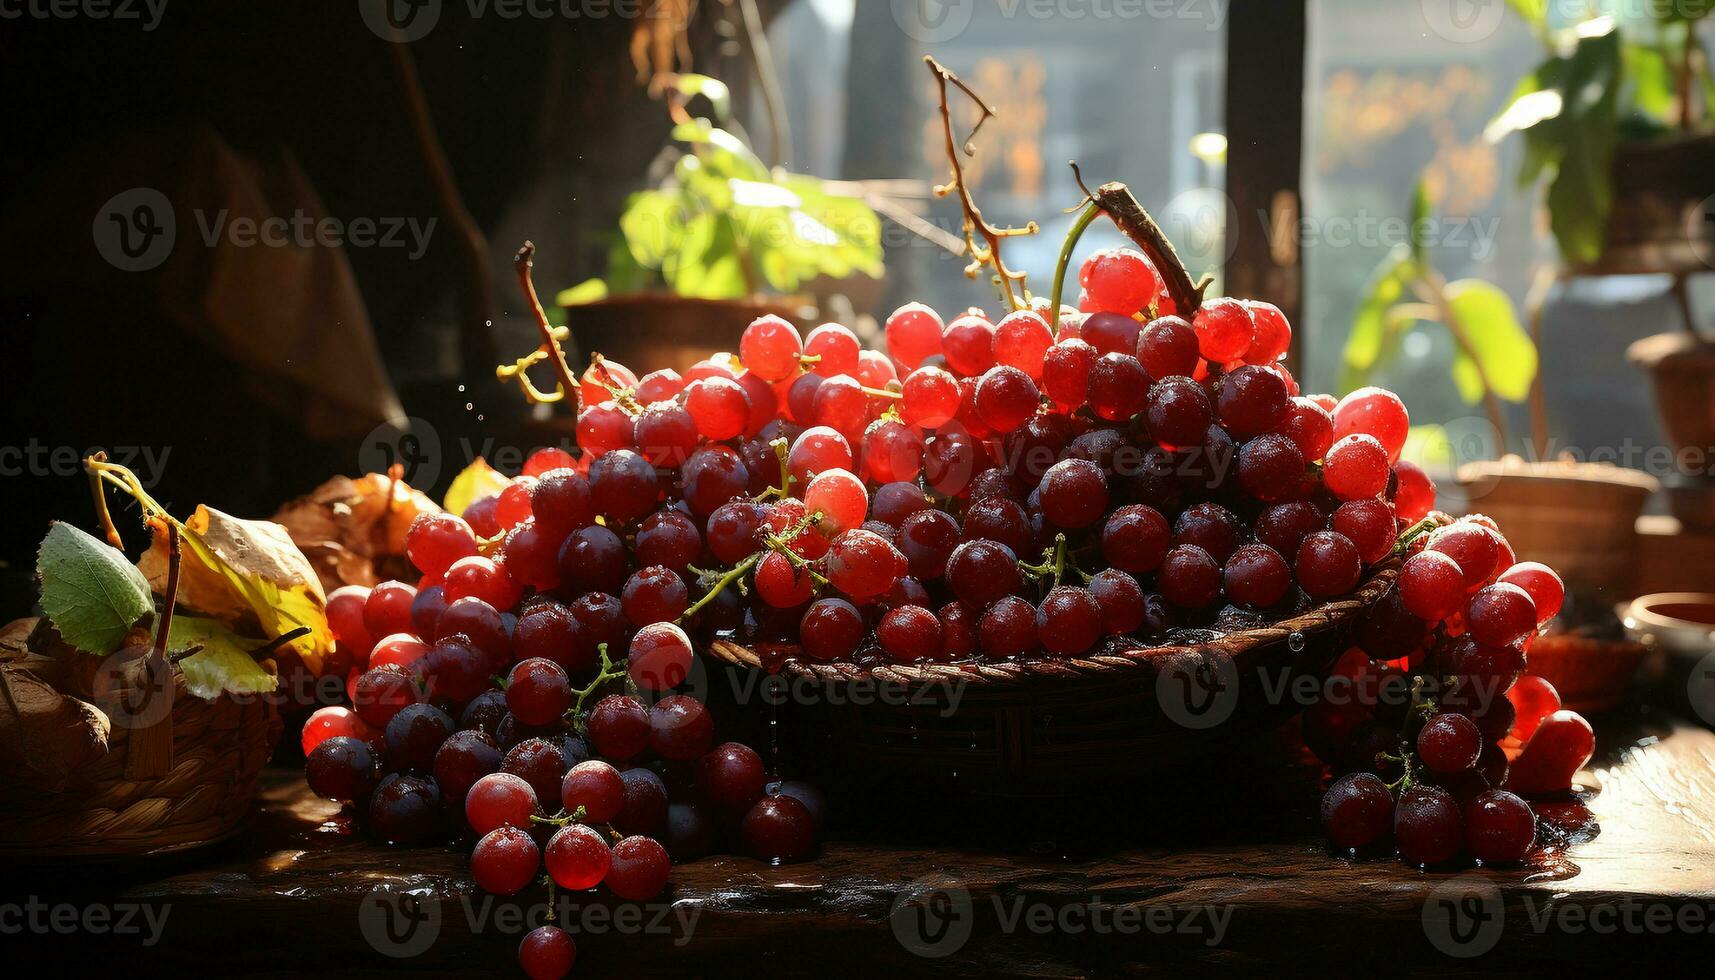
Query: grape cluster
1441,736
981,490
487,708
1041,485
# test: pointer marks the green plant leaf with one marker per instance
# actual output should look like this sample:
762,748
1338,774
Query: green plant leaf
588,291
713,89
1649,82
652,224
1419,221
90,592
708,265
1534,12
1370,343
722,152
224,663
1501,345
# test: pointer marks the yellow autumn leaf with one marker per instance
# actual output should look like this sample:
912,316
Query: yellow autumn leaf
238,571
474,482
223,664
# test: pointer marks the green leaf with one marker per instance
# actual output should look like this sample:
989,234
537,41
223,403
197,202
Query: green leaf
1649,81
708,265
588,291
1502,347
1684,10
90,592
713,89
1370,342
224,663
653,223
1419,221
1534,12
722,152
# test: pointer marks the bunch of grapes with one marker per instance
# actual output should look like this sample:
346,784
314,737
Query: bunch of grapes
1441,735
487,709
1042,485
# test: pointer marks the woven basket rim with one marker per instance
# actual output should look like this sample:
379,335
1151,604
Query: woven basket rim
999,674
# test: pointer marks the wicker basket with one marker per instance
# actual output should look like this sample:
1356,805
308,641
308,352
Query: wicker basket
183,781
1038,727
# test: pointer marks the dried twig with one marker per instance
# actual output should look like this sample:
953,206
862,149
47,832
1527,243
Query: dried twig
975,224
1116,199
549,350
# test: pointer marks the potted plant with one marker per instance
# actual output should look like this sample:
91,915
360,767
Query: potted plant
1577,517
720,241
1616,124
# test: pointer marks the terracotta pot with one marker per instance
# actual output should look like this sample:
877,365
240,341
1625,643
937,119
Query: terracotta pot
1658,223
654,331
1578,518
1683,369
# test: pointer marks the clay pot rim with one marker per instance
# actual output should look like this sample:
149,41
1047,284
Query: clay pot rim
1641,619
1553,471
1672,349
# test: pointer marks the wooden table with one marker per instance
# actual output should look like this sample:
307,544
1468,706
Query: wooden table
1254,889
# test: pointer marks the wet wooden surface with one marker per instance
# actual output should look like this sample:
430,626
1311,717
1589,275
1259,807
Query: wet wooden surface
1253,889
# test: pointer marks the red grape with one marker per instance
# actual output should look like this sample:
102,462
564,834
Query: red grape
638,870
771,347
435,541
1256,575
1189,577
504,861
831,629
619,727
1499,827
1427,826
1121,280
837,347
1357,810
661,657
1356,467
968,343
1328,564
499,799
1376,412
1224,329
1547,592
577,857
913,335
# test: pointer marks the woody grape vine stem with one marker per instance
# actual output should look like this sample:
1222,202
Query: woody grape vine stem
975,223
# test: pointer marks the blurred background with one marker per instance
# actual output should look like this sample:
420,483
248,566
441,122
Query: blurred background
249,246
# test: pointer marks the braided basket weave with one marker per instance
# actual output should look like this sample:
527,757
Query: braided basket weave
202,793
1037,726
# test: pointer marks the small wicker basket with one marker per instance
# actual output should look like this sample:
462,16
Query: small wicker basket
1036,727
184,780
